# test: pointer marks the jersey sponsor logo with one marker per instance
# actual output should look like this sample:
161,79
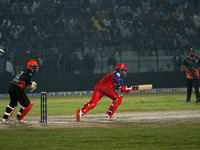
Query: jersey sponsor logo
118,74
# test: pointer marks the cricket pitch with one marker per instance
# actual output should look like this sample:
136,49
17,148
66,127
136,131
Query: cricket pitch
97,120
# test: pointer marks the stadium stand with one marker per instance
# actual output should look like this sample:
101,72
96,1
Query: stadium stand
144,34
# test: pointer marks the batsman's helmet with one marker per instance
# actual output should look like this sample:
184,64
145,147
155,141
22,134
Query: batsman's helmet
122,67
33,64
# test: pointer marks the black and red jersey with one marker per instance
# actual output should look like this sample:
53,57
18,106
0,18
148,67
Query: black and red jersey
194,67
23,78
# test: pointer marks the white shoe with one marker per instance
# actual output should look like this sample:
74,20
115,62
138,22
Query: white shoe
4,120
20,121
79,114
107,117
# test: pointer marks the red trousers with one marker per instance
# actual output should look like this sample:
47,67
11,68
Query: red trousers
103,89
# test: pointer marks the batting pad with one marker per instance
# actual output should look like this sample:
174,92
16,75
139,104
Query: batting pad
25,111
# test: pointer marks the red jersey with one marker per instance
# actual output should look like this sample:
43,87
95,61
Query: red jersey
112,79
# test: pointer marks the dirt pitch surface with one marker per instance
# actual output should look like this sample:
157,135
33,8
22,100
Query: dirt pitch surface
98,120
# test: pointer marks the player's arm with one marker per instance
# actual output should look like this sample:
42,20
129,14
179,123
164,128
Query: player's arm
123,87
31,85
116,77
119,82
199,62
28,77
183,67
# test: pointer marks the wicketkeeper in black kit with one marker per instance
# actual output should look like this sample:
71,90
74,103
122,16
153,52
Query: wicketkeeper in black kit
16,91
192,67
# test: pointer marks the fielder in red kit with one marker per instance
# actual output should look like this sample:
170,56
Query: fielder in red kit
105,87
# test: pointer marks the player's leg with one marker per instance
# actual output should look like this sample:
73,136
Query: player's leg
12,105
111,93
189,89
23,111
113,107
8,112
196,86
97,95
26,106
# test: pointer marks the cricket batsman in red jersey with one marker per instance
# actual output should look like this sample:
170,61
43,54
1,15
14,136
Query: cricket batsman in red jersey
17,94
105,87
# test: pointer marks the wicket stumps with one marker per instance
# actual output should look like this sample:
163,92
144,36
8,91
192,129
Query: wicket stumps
43,107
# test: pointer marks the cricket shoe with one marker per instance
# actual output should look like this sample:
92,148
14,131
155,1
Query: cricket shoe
107,117
197,100
79,114
4,120
20,121
187,100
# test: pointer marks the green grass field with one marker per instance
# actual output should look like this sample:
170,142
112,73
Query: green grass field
157,137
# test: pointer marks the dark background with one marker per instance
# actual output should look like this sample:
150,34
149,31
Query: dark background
56,83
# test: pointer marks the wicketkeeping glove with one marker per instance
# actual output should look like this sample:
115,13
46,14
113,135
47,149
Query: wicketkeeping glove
32,87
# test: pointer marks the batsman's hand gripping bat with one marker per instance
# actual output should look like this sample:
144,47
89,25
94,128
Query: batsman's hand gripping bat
141,87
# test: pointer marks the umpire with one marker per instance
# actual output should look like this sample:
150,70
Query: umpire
192,67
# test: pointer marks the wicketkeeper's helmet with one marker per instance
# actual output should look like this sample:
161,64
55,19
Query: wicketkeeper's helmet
33,64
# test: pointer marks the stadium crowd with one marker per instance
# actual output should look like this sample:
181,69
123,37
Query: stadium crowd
56,28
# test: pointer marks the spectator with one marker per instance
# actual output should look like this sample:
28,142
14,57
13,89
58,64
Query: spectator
102,23
68,64
19,59
88,64
40,61
168,67
197,20
9,68
111,63
76,63
2,65
177,61
58,62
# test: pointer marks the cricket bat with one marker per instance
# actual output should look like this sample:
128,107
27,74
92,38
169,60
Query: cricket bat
141,87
